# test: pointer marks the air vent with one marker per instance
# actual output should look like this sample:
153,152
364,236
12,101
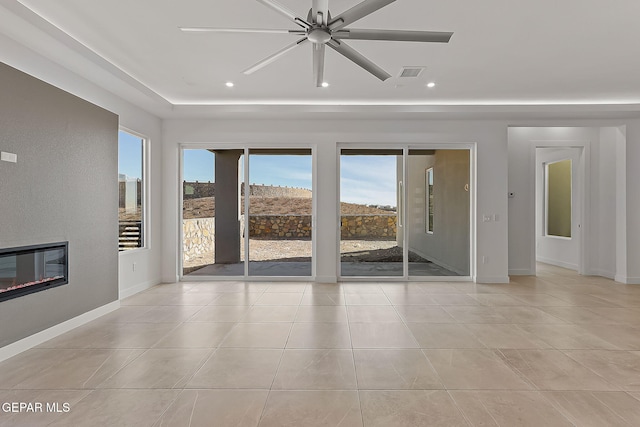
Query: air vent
411,71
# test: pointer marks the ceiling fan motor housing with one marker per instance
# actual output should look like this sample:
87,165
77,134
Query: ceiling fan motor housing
319,35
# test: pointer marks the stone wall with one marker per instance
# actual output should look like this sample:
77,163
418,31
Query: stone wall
198,237
197,190
368,227
280,226
199,232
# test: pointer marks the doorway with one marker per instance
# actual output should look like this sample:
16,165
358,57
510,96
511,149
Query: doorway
558,206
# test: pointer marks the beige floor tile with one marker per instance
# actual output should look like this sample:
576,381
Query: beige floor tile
366,299
372,313
249,287
424,313
220,313
432,288
319,335
312,409
583,300
496,300
55,412
322,299
454,299
540,300
362,288
381,335
395,370
316,370
472,314
525,315
268,313
126,313
64,369
321,313
622,336
159,368
583,408
411,299
569,337
168,314
238,368
624,405
258,335
237,298
138,408
204,408
112,335
474,370
196,335
409,408
280,298
508,408
621,368
505,336
322,288
443,335
287,287
575,314
402,288
554,370
628,316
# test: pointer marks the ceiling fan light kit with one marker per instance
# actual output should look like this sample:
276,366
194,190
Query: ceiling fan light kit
322,30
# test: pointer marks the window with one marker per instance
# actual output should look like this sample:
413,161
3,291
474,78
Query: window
429,200
131,207
558,200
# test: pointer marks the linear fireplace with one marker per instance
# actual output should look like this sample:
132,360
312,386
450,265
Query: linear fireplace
28,269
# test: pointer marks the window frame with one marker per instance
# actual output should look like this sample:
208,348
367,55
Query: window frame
428,212
144,188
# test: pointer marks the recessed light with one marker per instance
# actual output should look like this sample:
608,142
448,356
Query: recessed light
229,84
325,84
431,84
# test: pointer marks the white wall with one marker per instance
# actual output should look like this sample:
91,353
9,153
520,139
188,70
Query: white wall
490,137
148,260
448,245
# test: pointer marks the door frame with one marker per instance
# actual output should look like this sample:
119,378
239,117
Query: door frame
246,147
584,199
405,147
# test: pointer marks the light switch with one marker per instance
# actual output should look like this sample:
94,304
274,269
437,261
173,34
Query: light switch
9,157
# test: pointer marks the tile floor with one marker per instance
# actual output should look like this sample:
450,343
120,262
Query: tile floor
552,350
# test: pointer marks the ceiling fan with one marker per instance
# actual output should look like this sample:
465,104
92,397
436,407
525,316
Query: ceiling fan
321,29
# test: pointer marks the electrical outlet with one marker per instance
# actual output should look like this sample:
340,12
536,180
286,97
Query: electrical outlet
485,259
134,266
486,218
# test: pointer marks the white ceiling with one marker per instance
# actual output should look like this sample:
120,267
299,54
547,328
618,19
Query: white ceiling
502,51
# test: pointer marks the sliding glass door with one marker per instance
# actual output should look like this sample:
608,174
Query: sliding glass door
247,204
405,212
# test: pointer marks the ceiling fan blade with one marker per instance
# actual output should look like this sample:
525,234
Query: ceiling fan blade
320,12
394,35
357,12
268,60
283,10
239,30
352,54
318,63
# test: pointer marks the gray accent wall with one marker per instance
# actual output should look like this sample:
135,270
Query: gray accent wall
63,188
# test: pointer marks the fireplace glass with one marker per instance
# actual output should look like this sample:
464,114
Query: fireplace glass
28,269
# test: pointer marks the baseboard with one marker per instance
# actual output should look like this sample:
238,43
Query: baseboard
326,279
124,293
627,280
521,272
557,263
52,332
602,273
495,279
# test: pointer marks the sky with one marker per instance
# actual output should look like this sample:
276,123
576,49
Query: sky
129,155
367,180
